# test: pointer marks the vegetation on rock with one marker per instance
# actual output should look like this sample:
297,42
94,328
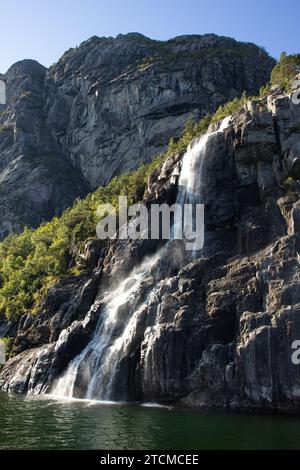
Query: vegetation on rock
285,71
31,262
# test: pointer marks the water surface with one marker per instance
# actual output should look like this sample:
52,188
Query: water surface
43,423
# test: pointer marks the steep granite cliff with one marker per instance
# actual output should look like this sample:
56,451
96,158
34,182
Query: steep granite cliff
105,107
216,330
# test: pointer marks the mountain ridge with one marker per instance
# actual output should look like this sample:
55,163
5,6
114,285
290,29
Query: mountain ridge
105,107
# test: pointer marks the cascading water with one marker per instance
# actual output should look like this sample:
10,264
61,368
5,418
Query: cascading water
92,374
94,362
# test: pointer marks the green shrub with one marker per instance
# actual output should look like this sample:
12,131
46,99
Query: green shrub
8,342
285,71
146,62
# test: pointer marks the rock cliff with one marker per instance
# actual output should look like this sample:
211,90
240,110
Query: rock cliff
105,107
213,331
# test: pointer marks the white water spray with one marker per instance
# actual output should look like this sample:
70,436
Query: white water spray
94,359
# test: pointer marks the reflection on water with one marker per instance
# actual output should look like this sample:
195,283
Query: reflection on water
44,423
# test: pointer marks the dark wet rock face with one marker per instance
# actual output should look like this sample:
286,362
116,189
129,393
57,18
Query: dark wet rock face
213,331
105,107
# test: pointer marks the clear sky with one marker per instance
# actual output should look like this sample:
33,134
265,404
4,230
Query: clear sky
44,29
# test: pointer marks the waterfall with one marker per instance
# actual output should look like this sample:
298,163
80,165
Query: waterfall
91,375
191,177
191,182
94,359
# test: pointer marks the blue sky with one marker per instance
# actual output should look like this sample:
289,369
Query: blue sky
44,29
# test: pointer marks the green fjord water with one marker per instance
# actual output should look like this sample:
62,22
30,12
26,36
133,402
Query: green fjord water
42,423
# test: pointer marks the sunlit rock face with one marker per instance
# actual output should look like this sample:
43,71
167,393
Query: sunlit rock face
149,322
36,180
105,107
